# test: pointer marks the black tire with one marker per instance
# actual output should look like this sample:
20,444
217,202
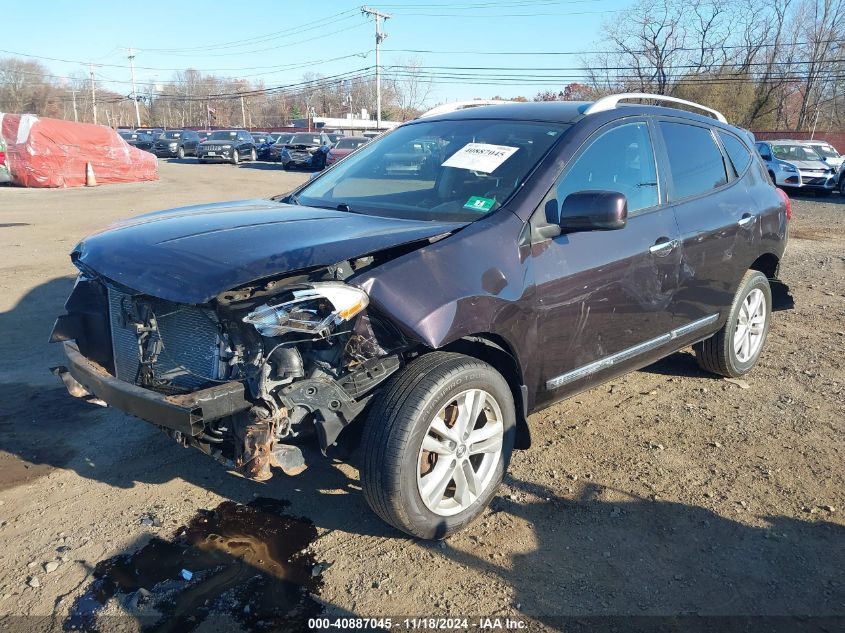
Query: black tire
253,156
236,157
180,153
396,426
717,354
842,186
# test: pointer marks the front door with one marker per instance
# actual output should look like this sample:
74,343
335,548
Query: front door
604,297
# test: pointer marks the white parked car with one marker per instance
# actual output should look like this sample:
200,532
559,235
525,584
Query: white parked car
795,164
828,153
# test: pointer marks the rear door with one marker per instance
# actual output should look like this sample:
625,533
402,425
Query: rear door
604,297
716,216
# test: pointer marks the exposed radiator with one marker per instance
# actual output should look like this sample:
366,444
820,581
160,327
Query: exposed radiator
190,343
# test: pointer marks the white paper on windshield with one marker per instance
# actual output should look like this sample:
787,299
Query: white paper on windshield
480,157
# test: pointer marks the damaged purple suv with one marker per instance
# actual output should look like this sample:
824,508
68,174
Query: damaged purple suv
437,286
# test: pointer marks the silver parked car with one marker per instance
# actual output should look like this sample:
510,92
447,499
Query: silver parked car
797,165
828,153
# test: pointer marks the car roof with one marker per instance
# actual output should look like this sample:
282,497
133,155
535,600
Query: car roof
568,112
551,111
784,140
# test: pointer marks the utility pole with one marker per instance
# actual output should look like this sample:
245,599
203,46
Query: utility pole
243,112
93,92
380,37
131,58
75,114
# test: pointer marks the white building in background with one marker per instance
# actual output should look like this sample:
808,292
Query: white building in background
349,125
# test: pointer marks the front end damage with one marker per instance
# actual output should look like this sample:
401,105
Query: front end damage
242,377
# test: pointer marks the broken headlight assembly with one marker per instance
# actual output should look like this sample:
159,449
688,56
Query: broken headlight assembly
314,309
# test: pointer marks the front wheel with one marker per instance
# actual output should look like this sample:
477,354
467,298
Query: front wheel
253,156
236,157
437,443
734,350
842,186
180,153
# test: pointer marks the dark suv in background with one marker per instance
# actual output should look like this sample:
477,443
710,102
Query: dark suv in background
228,145
545,248
177,144
305,149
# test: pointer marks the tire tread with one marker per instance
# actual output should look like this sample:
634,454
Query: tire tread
384,448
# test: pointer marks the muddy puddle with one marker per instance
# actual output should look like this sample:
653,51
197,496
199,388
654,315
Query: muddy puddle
247,571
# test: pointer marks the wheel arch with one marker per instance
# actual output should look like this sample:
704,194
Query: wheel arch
496,352
768,264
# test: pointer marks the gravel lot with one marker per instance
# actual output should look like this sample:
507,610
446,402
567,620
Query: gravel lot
667,492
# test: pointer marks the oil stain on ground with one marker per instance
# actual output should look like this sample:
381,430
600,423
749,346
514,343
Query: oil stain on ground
249,570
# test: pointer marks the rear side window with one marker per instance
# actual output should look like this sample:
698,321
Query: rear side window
695,161
619,160
737,152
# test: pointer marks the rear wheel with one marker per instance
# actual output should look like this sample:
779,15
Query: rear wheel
735,349
437,443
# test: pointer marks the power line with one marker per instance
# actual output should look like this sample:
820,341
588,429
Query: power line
266,37
498,53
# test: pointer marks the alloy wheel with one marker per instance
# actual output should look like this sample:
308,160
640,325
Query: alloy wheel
460,452
750,326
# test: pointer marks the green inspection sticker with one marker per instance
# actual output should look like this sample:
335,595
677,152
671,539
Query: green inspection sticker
477,203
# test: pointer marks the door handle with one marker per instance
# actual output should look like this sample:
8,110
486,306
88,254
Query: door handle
663,247
746,219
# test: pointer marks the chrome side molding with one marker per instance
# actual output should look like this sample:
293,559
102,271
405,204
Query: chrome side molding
631,352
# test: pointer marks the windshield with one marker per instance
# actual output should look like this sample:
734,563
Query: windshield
221,135
350,143
795,152
281,139
436,170
826,150
304,139
172,135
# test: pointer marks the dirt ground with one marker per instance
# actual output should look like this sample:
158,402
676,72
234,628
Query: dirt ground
669,492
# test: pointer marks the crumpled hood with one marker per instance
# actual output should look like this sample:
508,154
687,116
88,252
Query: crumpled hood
191,254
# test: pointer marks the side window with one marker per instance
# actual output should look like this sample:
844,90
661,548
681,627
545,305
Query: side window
694,159
620,160
737,152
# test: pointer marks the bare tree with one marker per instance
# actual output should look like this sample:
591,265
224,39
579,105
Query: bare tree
411,86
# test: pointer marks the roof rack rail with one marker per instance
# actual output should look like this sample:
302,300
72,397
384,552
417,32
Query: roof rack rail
460,105
611,101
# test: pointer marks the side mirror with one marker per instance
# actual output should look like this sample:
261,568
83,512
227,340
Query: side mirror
593,211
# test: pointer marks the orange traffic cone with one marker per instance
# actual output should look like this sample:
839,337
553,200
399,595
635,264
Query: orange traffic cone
90,178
